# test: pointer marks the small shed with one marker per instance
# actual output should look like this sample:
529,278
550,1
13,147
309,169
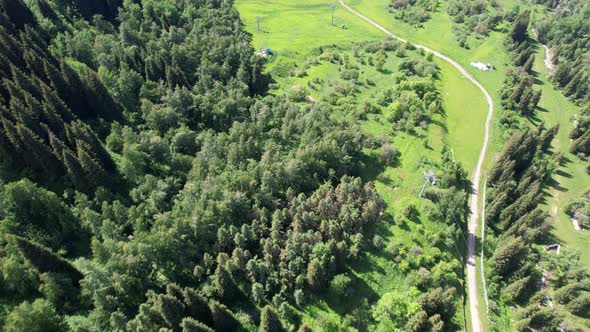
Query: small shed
482,66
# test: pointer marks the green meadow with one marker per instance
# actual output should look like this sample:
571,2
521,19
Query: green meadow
294,30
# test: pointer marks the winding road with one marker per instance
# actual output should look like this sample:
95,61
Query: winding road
473,205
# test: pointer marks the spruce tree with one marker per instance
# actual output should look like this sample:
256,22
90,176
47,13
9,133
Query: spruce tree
269,320
18,12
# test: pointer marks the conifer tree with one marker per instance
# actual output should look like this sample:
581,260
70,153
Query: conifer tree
18,12
269,320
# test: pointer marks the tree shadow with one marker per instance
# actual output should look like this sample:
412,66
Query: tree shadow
362,264
442,125
556,185
359,290
564,174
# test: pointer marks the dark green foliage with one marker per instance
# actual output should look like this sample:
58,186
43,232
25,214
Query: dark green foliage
518,96
224,319
580,306
269,320
439,301
418,322
190,325
18,12
59,290
44,260
39,215
520,26
170,308
316,275
580,210
38,316
224,284
471,17
197,307
508,255
569,292
516,290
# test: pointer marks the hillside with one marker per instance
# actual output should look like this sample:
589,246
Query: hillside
211,165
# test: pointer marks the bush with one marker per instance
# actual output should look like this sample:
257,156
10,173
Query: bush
340,285
388,154
298,93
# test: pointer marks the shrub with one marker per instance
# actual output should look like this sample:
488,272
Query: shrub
340,285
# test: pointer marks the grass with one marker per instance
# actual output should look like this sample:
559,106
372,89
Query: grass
300,26
294,29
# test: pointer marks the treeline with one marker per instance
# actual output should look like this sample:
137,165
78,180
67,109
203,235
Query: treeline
517,270
567,33
518,96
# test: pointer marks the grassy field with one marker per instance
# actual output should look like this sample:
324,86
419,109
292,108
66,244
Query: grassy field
299,26
294,29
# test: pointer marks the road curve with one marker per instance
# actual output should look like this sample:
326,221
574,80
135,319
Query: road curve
473,205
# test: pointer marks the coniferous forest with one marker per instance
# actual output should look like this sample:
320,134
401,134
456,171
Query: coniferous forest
158,174
148,184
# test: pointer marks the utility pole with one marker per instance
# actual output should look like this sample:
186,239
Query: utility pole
258,19
333,8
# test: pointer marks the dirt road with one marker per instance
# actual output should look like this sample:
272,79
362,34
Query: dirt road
471,270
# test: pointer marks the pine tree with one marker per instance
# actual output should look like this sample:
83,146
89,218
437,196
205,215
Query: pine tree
189,324
12,135
508,255
51,98
10,47
74,170
528,65
18,12
26,83
171,310
95,174
269,321
42,156
197,307
44,260
57,146
224,319
224,284
520,26
316,275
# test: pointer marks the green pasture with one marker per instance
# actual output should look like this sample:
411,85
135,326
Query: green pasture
299,26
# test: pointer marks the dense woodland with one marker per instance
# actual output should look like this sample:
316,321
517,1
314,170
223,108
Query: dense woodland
519,99
520,271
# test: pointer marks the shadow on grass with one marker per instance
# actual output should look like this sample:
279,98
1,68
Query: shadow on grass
359,290
556,185
564,174
441,125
